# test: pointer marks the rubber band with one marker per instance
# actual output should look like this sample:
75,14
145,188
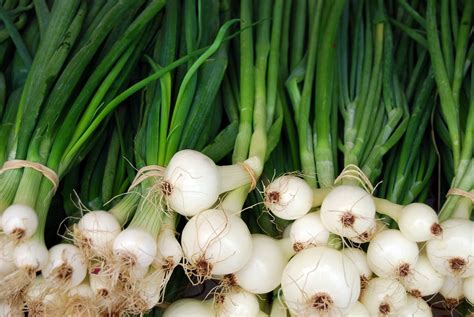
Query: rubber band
460,192
251,172
46,171
145,173
354,172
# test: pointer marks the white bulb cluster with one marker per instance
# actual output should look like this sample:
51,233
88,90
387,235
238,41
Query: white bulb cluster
389,276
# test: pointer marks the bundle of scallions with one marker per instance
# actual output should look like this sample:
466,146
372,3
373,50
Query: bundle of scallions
236,158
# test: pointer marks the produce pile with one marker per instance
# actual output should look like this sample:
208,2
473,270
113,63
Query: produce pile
236,158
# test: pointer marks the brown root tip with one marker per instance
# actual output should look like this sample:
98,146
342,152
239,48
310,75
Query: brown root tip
321,302
272,198
230,280
415,293
347,219
166,188
364,237
168,264
457,265
298,246
18,234
36,308
403,270
63,272
198,270
451,303
364,282
127,259
436,229
219,299
203,268
384,309
103,292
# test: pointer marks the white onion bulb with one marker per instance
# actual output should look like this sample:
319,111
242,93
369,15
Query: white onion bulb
320,280
262,273
237,303
384,297
452,291
215,243
390,254
135,245
452,253
288,197
102,288
191,182
348,211
357,310
415,307
42,299
31,255
189,307
419,222
151,288
169,253
81,301
19,221
366,236
424,280
97,230
468,289
66,266
308,231
359,258
7,264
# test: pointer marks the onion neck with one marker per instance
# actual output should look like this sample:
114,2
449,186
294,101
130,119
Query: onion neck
334,241
234,201
239,174
149,214
27,191
318,196
42,207
9,181
125,209
388,208
463,208
169,221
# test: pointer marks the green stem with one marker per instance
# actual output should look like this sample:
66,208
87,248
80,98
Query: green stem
28,187
324,87
258,142
302,116
247,84
150,212
448,103
181,109
388,208
273,62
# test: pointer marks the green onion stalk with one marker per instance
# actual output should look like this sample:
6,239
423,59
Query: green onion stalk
252,85
15,18
410,164
105,173
176,113
448,45
314,68
53,111
350,66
